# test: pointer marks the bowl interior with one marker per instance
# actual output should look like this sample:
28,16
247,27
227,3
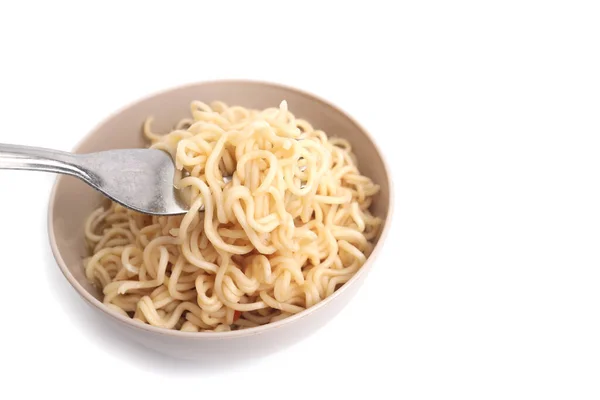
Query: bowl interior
73,200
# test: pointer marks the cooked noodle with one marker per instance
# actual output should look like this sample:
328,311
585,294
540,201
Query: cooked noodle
291,227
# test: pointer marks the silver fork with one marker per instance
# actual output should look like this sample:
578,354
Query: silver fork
140,179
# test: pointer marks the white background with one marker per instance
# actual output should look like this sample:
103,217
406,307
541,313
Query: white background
489,113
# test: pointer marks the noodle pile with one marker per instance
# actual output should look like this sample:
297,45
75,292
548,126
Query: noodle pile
290,227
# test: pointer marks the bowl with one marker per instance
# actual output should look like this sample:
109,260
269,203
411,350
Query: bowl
72,201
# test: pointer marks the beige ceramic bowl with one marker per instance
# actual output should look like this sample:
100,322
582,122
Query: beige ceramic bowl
71,202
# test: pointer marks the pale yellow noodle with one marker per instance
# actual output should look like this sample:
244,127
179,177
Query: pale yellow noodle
291,227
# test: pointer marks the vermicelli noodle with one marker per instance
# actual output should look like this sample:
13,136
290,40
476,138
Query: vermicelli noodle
289,228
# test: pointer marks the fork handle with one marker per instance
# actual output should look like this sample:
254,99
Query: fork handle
38,159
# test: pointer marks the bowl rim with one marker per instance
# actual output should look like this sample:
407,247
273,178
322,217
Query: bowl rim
237,333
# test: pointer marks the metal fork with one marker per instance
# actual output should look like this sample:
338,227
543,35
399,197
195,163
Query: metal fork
140,179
